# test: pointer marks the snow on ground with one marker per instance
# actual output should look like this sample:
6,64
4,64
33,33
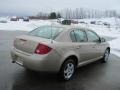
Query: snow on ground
112,21
11,26
115,45
113,31
21,25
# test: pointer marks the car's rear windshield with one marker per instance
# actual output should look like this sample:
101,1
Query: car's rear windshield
48,32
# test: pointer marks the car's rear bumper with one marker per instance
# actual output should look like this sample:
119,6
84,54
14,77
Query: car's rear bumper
45,63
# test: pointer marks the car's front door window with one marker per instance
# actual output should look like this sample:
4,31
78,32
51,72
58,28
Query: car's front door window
92,37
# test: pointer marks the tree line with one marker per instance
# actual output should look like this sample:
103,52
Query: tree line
78,13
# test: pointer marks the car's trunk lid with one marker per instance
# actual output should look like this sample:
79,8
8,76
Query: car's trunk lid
27,43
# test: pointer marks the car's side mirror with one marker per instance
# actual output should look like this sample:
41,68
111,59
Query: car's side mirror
102,40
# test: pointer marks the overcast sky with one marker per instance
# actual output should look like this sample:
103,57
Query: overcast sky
31,7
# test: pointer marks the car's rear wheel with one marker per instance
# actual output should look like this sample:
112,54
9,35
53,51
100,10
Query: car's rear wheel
67,70
106,55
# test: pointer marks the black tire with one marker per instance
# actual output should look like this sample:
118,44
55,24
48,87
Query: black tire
65,69
106,56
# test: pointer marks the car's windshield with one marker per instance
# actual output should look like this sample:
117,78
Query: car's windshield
48,32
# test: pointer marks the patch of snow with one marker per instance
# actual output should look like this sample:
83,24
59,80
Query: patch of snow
117,53
115,44
23,26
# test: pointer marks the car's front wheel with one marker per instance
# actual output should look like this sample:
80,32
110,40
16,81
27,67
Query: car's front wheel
67,70
106,55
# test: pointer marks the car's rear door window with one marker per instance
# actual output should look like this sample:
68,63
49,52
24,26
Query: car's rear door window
78,36
72,35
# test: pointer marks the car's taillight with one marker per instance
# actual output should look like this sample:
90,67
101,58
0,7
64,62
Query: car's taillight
42,49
